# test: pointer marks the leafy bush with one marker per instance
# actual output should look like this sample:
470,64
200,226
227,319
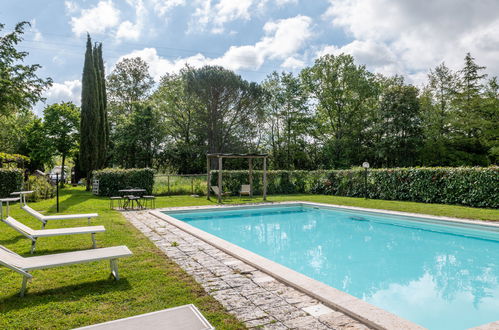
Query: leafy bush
10,180
42,189
471,186
111,180
13,160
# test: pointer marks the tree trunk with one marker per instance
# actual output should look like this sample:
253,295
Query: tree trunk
63,176
89,176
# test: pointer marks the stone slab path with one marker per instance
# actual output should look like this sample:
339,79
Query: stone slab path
258,300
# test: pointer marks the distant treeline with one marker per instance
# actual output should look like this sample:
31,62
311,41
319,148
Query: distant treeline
332,115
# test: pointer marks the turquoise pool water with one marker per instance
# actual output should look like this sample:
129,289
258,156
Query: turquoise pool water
439,276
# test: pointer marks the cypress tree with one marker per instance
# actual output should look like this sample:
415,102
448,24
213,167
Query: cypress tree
103,107
90,116
101,100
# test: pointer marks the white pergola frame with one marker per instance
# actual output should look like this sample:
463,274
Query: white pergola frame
250,158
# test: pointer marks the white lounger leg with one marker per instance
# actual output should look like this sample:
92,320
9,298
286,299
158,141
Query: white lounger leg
93,241
33,245
23,287
114,269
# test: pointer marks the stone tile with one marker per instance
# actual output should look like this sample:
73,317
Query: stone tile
336,319
317,310
249,313
304,322
260,322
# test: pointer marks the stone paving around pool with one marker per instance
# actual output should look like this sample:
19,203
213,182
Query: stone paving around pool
258,300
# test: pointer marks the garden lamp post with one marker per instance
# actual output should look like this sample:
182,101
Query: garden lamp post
365,165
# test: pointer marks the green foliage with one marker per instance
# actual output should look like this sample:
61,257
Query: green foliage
93,125
10,180
42,189
6,160
111,180
61,123
471,186
229,107
20,87
137,138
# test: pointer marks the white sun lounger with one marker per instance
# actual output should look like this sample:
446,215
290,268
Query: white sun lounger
186,317
245,190
33,234
46,218
23,265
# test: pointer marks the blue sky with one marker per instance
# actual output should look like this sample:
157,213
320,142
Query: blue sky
254,38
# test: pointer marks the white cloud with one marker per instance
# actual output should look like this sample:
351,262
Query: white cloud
409,37
37,34
163,7
71,7
282,40
292,63
213,17
68,91
133,31
97,19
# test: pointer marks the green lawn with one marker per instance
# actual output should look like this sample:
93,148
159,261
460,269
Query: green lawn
85,294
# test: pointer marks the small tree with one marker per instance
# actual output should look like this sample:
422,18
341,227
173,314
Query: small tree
20,87
61,123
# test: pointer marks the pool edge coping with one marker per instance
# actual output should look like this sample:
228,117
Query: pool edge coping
362,311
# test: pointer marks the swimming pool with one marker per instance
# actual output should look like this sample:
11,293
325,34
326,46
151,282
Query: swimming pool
438,275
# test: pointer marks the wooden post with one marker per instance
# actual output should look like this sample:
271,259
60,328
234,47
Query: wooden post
220,179
168,183
265,178
208,182
251,176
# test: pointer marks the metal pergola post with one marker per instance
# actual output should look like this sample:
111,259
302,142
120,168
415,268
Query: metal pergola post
220,180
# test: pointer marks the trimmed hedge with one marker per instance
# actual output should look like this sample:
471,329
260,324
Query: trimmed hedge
111,180
470,186
11,180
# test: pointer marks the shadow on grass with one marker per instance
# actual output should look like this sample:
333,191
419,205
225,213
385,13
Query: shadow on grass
74,199
12,240
61,294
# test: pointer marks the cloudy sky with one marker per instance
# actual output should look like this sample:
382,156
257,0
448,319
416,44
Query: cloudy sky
254,38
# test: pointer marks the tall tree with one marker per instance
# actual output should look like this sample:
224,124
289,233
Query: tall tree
343,93
90,123
468,121
180,111
438,109
129,83
61,123
289,121
138,138
20,87
401,126
230,107
103,131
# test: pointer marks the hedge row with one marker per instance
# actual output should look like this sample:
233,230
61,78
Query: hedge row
10,180
471,186
111,180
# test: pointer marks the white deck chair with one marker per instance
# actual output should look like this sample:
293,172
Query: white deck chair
216,191
23,265
46,218
245,190
33,234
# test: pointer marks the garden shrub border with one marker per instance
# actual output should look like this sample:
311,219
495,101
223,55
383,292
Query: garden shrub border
470,186
111,180
11,179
